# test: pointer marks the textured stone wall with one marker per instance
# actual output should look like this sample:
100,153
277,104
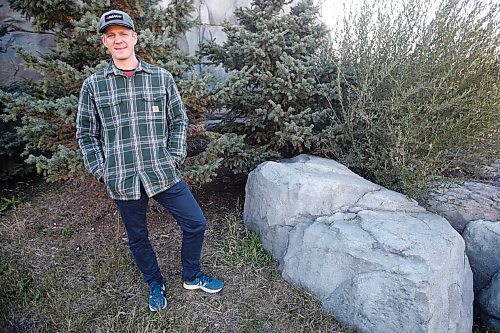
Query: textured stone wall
210,15
21,33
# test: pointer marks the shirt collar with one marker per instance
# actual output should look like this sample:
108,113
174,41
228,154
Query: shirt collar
143,66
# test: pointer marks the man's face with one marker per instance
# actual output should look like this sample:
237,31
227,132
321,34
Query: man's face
120,42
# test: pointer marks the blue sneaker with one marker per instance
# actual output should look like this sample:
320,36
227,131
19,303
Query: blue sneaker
205,283
157,300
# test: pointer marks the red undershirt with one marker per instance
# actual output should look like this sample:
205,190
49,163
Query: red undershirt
129,73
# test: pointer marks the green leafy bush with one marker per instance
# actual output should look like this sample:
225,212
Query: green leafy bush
419,90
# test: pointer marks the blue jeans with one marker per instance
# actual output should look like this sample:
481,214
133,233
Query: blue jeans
179,201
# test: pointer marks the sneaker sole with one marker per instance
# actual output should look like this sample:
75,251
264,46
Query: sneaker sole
194,287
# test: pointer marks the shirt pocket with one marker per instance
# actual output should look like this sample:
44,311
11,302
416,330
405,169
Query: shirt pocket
109,109
154,105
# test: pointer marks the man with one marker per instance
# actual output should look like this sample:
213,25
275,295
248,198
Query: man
131,128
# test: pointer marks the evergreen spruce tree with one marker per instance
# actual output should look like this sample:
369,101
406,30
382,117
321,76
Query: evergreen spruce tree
275,94
11,147
47,109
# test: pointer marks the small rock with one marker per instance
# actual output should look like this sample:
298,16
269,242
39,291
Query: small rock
462,203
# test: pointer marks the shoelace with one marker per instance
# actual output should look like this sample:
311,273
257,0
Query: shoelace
156,290
205,279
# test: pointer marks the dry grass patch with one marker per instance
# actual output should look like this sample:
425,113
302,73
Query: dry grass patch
65,267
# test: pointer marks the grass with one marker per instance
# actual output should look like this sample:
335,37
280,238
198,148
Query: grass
65,267
7,204
242,248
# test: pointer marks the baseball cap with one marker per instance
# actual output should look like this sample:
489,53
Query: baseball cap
115,17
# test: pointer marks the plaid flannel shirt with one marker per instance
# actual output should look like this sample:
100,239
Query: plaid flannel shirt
132,130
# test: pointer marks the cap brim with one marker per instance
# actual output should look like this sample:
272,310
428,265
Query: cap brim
101,30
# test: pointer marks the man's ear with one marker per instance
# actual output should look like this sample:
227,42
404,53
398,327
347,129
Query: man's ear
135,38
102,39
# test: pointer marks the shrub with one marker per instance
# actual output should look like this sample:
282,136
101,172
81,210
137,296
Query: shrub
419,90
11,147
275,97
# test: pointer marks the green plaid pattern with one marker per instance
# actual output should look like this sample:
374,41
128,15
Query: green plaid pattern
132,130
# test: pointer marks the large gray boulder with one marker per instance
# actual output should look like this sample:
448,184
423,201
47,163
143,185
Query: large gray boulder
489,303
482,244
374,258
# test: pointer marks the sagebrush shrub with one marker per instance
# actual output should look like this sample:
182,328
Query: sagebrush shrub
419,86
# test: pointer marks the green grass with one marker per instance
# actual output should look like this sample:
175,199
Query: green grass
252,321
18,287
241,247
7,204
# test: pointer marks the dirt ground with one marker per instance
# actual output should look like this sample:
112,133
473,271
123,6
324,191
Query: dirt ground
65,267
